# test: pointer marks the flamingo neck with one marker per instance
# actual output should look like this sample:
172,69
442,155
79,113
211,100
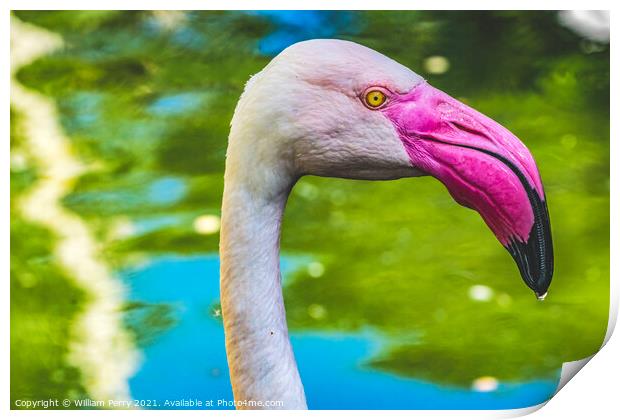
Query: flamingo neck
260,358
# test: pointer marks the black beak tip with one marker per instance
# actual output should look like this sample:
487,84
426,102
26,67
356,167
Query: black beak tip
535,257
535,265
541,288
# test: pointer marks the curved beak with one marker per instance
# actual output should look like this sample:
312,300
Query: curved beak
485,167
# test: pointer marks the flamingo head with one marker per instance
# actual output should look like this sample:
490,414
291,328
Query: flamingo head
336,108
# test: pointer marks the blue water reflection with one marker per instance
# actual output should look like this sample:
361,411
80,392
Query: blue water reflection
189,361
292,26
166,190
177,104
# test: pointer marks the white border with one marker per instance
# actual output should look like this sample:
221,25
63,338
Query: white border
594,393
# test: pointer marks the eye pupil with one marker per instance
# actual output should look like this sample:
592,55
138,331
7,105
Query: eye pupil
375,98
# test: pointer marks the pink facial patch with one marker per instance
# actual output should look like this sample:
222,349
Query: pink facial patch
483,165
478,181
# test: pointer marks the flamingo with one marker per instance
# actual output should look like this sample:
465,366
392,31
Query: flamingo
335,108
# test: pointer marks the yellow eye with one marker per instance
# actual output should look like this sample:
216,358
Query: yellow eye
375,98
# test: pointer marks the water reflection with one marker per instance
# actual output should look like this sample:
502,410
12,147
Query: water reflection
184,355
291,26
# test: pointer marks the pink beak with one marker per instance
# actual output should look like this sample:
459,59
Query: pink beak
485,167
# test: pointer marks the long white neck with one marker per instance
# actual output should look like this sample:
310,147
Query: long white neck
260,358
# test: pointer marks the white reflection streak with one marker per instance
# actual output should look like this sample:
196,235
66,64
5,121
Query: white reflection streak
101,348
591,24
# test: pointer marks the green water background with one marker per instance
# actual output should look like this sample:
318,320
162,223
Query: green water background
146,101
